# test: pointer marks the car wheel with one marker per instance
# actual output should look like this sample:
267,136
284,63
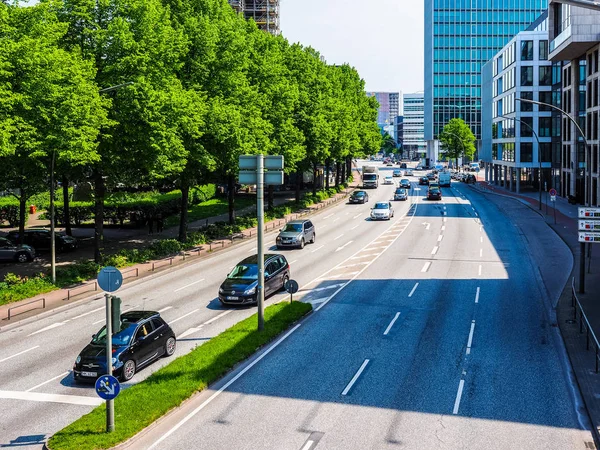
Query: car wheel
302,243
314,238
286,278
170,346
22,257
128,370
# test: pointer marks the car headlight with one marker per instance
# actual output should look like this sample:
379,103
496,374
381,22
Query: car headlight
78,360
114,360
278,239
221,290
250,291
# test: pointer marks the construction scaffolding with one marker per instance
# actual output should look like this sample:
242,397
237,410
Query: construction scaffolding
264,12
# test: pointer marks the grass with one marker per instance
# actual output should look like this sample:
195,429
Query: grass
168,387
211,208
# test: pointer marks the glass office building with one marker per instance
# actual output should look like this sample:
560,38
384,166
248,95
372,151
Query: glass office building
461,36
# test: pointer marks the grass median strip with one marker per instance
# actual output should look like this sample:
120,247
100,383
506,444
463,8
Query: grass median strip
145,402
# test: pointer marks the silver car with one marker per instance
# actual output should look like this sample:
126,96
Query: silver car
296,233
14,252
382,211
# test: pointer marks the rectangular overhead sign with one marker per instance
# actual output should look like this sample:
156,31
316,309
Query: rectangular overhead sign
592,237
274,177
270,162
589,225
589,213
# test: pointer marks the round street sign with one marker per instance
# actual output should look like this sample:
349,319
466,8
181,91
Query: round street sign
110,279
107,387
291,286
553,192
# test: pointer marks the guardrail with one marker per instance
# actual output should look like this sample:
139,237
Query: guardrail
77,288
583,322
43,300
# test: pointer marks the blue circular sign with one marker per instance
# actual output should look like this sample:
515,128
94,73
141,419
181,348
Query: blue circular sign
110,279
107,387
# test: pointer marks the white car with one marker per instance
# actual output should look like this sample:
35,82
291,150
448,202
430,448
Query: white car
382,211
388,179
408,173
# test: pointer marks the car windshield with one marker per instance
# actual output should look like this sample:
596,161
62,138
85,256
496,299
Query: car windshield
370,176
381,206
434,190
293,227
358,194
244,272
404,180
120,338
400,191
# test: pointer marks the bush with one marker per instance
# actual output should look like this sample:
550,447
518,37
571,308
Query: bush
76,273
200,194
9,211
15,288
163,248
195,238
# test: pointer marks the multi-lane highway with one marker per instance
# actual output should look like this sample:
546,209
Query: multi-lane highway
429,332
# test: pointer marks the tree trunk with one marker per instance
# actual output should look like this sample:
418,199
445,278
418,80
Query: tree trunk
338,173
349,167
22,210
270,197
183,217
231,198
343,177
66,210
299,175
327,163
99,193
314,189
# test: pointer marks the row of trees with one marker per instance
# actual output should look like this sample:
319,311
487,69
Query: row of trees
203,87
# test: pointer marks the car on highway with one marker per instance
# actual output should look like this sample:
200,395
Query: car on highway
434,193
397,173
296,234
423,181
143,337
405,183
359,197
389,164
382,211
239,288
401,194
9,251
388,180
408,172
431,176
40,239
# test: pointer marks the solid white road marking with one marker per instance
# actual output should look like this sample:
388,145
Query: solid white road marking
470,341
217,393
461,386
253,250
49,327
195,282
355,377
413,290
224,313
339,237
87,313
184,316
292,262
166,308
365,256
189,332
387,330
479,269
64,374
53,398
357,216
327,217
344,246
308,445
316,300
426,266
317,249
440,237
477,293
435,250
20,353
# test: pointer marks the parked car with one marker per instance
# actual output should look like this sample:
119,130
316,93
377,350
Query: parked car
382,211
401,194
40,239
405,183
397,173
359,197
9,251
296,233
423,181
388,180
142,338
434,193
239,288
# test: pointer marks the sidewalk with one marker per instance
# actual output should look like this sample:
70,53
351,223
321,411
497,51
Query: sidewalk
45,304
562,216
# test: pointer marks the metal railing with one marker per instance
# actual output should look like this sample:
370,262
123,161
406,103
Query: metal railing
584,323
43,300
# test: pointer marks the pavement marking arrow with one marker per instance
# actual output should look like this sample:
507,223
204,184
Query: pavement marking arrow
344,246
427,225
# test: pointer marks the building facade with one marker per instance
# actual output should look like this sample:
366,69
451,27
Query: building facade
517,136
414,138
264,12
460,37
575,50
389,109
399,132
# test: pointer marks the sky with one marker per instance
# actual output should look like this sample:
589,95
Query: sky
382,39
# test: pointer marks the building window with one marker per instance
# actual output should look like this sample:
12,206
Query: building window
526,152
595,94
545,127
543,50
545,76
526,75
546,151
526,106
494,151
526,50
545,97
526,126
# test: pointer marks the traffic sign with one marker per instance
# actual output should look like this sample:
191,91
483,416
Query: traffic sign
553,198
107,387
552,192
291,286
589,213
589,225
593,237
110,279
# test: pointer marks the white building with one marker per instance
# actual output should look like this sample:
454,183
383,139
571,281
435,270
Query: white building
414,125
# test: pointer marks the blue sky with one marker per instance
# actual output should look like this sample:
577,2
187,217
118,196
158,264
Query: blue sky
382,39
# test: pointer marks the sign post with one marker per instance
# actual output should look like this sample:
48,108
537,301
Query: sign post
109,279
252,171
589,233
553,200
292,287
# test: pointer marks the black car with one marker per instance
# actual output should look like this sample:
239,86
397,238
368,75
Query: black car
405,183
423,181
39,239
239,288
142,338
434,193
359,197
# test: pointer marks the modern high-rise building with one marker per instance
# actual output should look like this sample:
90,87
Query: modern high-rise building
389,108
264,12
413,137
461,36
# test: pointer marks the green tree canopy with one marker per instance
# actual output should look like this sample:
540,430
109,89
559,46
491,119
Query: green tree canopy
457,140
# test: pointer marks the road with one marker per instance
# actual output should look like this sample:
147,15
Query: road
37,393
441,340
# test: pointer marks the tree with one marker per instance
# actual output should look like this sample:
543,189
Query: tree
458,140
388,144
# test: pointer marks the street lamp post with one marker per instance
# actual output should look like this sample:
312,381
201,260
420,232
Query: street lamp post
588,198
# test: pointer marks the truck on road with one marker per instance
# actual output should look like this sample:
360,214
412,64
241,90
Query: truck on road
444,179
370,176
